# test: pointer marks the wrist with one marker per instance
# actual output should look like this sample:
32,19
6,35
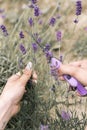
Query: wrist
5,112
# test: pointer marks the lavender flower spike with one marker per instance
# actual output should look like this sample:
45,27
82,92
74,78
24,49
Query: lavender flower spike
47,47
30,20
78,7
58,35
65,115
21,34
37,11
44,127
52,21
3,28
34,1
22,48
34,46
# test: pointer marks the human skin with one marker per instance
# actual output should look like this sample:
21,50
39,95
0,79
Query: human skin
76,69
12,95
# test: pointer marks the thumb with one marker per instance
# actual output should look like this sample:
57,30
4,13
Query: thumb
69,69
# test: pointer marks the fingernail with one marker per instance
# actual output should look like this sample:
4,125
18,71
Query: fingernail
29,66
35,81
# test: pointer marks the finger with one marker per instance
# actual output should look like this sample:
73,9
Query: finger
26,74
34,81
68,69
34,76
61,78
15,76
77,63
76,72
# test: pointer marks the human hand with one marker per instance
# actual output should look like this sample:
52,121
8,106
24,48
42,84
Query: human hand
15,88
76,69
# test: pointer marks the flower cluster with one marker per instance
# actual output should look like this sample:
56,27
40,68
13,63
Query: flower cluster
31,22
21,34
58,35
4,30
52,21
34,1
44,127
65,115
36,11
22,48
78,7
35,47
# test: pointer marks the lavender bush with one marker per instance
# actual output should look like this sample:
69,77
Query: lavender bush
36,35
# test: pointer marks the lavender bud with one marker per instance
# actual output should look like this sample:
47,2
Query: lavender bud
34,1
61,58
36,11
78,7
44,127
22,48
3,28
47,47
39,40
30,20
58,35
65,115
35,47
49,55
54,73
21,35
52,21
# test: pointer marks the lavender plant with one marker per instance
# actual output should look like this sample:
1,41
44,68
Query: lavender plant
32,39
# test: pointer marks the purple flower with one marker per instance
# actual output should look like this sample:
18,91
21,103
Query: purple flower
39,40
78,7
76,21
47,47
61,58
58,35
54,73
21,35
34,1
52,21
3,28
30,20
48,55
65,115
22,48
35,47
36,11
44,127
